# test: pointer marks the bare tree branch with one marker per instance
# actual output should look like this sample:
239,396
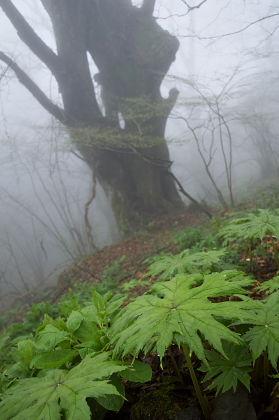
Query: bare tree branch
186,194
190,8
3,73
30,38
34,89
244,28
205,163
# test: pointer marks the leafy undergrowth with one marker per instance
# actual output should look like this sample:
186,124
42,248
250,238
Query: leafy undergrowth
192,316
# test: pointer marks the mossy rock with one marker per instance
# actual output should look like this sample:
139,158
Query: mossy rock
156,405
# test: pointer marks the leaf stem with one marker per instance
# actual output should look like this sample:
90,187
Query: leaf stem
176,367
257,370
265,369
200,395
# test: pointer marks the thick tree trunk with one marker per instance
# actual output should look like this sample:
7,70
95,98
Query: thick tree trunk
139,190
133,54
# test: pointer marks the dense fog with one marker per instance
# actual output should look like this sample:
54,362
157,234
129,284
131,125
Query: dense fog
226,71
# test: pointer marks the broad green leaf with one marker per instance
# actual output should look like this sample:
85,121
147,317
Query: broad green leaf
99,301
58,323
89,333
23,356
50,337
53,359
74,321
186,262
264,335
225,373
44,398
84,325
90,313
25,352
139,372
177,312
113,402
16,370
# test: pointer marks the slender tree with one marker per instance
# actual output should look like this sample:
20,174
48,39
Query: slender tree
124,141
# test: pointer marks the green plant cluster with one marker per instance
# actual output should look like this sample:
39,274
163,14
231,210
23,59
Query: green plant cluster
51,374
76,362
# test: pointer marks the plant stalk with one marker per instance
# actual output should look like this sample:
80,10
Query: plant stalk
176,368
200,395
265,369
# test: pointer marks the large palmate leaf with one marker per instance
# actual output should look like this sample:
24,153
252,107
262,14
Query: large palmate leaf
264,335
177,312
186,262
61,394
251,226
225,372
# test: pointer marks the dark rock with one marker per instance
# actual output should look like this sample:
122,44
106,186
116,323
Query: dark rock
233,406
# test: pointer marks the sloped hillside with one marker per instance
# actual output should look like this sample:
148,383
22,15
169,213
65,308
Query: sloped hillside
178,322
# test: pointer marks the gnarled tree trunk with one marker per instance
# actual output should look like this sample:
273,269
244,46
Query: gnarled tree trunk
125,144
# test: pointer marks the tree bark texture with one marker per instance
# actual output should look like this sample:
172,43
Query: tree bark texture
124,143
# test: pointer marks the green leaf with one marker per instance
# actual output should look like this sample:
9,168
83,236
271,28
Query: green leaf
114,303
138,372
89,333
4,339
25,352
44,398
90,313
113,402
16,370
58,323
252,226
225,373
177,312
264,335
270,285
74,321
50,337
186,262
127,286
54,359
99,301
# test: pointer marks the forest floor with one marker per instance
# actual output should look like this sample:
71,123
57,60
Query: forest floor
125,268
131,253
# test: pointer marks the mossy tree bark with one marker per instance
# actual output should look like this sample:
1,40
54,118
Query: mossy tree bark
124,142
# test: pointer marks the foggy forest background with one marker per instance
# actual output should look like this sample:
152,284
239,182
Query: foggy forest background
226,71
